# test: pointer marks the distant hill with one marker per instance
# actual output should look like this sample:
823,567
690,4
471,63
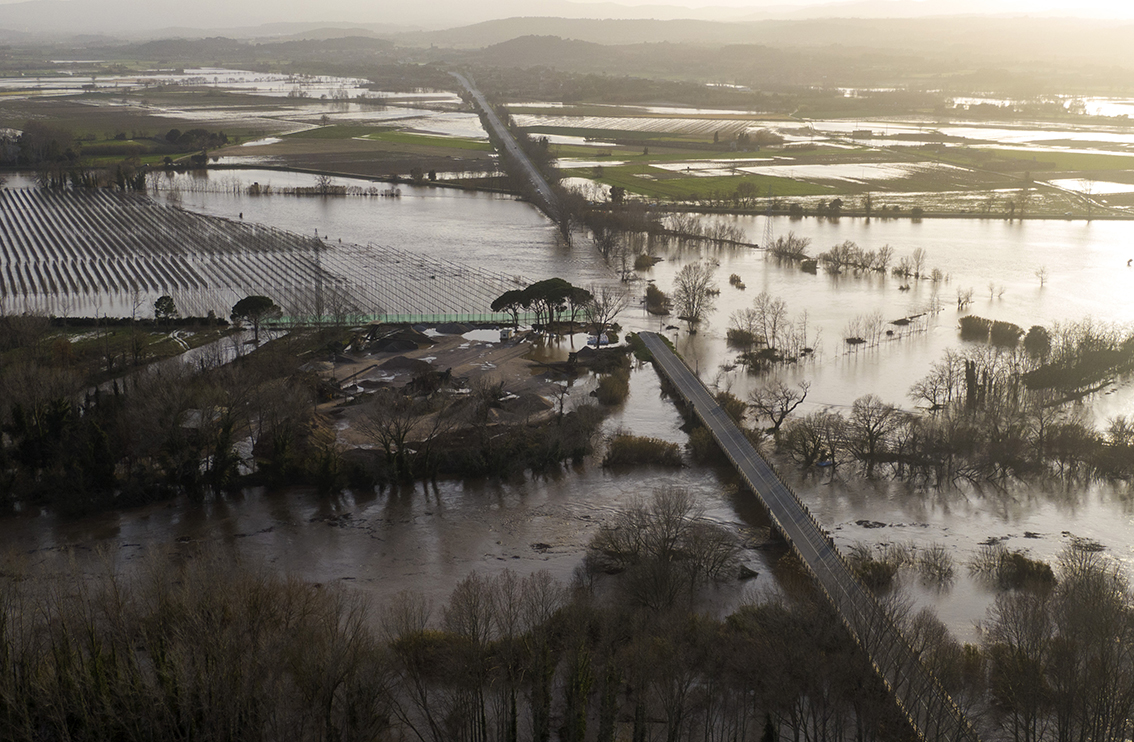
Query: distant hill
144,18
968,39
187,51
528,51
489,33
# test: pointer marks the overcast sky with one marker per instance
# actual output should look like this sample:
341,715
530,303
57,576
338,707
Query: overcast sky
1116,8
93,16
1104,8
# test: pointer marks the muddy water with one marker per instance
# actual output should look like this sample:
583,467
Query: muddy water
1087,277
426,538
490,231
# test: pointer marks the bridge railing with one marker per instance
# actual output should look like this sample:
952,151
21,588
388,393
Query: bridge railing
871,620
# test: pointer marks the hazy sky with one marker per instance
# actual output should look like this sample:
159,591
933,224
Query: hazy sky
91,16
1104,8
1115,8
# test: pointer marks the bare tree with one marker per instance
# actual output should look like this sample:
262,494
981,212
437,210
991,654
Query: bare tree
883,257
694,292
421,705
666,548
917,261
871,423
771,315
777,400
964,298
606,303
389,421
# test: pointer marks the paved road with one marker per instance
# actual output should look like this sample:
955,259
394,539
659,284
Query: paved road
513,150
921,698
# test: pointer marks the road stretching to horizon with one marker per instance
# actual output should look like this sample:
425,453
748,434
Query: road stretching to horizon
513,150
924,702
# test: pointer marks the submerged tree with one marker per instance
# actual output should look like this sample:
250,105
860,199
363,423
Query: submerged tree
605,305
693,292
777,400
665,547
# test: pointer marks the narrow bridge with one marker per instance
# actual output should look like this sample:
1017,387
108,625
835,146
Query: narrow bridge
512,153
927,706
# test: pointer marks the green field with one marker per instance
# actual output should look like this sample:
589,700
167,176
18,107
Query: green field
87,116
391,136
335,131
578,131
694,188
427,140
1043,160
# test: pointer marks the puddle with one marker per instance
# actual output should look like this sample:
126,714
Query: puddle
482,336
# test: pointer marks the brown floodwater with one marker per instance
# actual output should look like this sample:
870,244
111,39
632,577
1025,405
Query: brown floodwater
429,536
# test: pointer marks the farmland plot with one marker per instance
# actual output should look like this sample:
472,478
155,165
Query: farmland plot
100,252
696,127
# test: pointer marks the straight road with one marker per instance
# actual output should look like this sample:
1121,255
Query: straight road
513,151
927,706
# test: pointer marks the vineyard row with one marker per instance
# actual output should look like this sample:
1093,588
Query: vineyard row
82,252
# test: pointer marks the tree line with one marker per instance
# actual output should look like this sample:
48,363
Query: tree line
82,438
553,299
193,646
994,411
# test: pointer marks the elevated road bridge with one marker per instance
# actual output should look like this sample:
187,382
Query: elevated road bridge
925,703
514,154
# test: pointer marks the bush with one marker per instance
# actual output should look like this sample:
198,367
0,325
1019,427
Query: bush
614,388
703,447
630,450
734,407
664,548
644,262
1089,367
935,564
1037,342
876,574
1011,569
638,348
657,302
979,328
740,338
1006,333
975,328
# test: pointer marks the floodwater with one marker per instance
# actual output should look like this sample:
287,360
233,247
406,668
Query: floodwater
486,230
258,83
428,537
424,538
1087,276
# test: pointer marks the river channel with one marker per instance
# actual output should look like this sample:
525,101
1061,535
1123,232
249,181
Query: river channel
429,536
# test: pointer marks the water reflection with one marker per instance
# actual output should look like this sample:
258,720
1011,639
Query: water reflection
428,536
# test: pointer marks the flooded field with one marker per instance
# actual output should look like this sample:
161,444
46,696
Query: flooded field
427,537
218,78
937,163
859,173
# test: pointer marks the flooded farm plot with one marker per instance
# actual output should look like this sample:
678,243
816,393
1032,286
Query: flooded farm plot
429,537
107,253
946,163
244,81
645,124
887,176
